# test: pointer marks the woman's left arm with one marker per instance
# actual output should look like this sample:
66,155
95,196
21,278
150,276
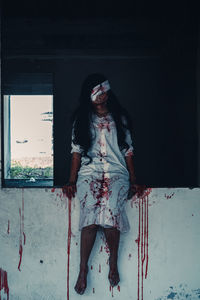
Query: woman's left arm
132,178
130,167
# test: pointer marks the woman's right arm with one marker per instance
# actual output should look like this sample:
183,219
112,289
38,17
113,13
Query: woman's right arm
76,152
70,187
75,166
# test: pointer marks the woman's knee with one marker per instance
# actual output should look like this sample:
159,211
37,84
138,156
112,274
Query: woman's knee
110,229
92,226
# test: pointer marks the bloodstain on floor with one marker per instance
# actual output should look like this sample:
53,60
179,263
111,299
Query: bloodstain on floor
4,283
22,234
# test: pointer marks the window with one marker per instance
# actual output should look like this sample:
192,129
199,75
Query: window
28,131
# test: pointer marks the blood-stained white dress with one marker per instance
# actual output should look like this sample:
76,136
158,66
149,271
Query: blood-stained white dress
103,184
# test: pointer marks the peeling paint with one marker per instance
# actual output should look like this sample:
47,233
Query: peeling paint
171,295
181,292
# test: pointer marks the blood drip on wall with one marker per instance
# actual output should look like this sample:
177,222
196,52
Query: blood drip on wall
143,240
4,283
22,236
69,235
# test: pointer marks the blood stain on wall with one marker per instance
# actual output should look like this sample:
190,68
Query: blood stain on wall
142,202
4,283
68,237
63,194
169,196
22,236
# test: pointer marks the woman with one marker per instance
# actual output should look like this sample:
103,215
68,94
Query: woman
102,172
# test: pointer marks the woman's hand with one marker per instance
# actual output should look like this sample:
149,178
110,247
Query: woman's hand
132,190
136,189
70,189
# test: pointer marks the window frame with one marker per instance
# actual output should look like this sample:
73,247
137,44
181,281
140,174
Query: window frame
10,85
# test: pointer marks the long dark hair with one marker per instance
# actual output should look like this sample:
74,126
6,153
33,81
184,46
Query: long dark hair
82,115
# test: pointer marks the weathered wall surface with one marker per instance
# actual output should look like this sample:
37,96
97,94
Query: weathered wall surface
35,240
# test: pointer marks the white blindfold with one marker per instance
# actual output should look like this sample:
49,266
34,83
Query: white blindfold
100,89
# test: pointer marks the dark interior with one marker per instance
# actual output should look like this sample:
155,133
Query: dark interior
149,56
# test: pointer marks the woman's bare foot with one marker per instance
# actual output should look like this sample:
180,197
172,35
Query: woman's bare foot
113,275
81,283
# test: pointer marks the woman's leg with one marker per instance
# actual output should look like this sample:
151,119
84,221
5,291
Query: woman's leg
112,237
88,236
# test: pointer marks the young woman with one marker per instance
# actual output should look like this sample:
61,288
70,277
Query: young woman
102,172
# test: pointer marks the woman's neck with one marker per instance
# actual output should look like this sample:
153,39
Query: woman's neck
101,109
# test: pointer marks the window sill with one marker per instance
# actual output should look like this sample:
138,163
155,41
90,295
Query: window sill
24,183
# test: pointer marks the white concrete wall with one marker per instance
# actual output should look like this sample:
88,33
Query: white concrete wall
41,216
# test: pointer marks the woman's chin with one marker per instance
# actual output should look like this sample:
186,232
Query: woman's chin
100,103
